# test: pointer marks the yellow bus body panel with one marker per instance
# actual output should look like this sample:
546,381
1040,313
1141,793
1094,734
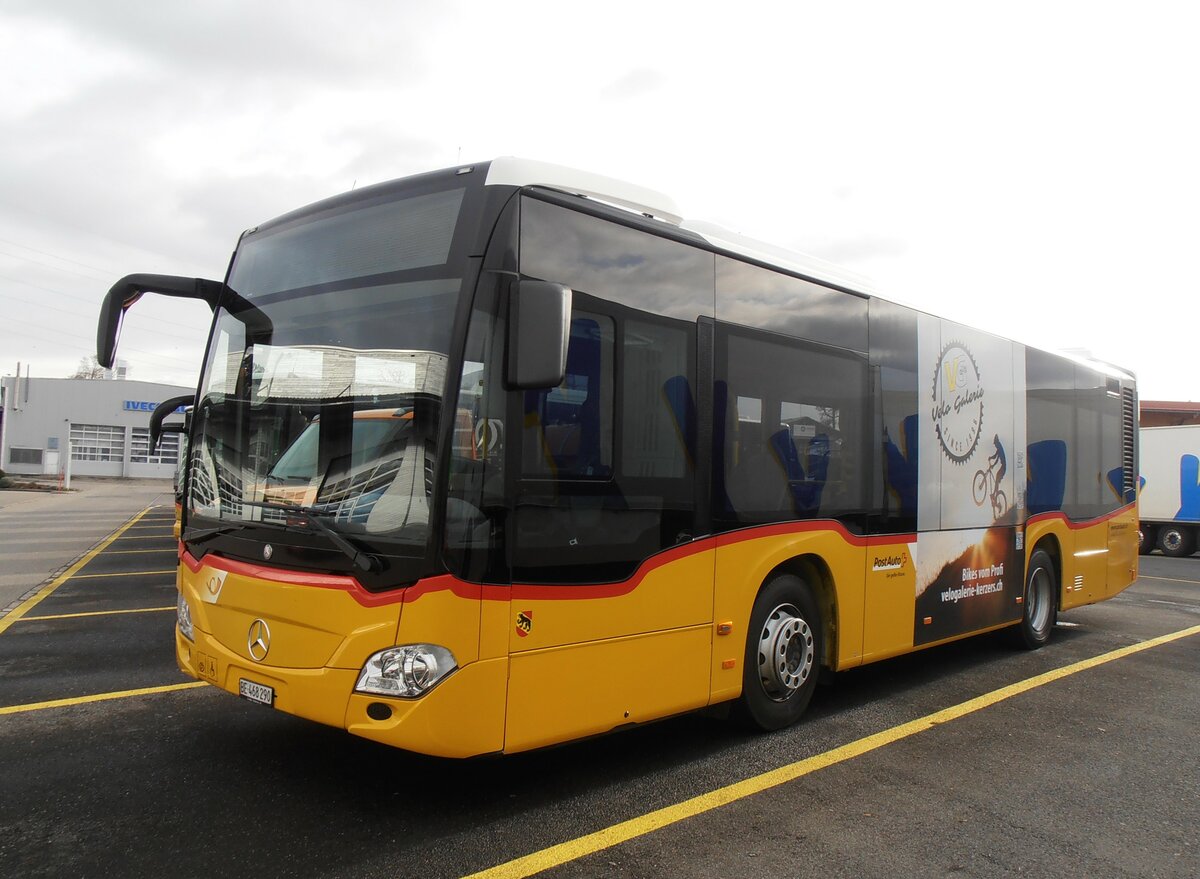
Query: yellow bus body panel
891,598
539,665
1099,557
589,659
563,693
321,635
1122,551
310,626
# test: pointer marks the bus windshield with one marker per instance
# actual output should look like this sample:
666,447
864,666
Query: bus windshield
331,398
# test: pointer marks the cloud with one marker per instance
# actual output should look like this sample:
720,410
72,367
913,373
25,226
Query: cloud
636,83
294,43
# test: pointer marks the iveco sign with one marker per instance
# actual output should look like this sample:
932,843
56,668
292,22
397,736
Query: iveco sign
143,406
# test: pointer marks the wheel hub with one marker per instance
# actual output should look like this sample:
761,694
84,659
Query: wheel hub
785,652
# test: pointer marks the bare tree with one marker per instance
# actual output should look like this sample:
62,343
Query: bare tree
89,367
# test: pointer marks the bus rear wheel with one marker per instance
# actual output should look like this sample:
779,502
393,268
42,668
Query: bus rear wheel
1040,602
783,654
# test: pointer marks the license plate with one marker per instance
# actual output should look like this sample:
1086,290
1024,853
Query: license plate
256,692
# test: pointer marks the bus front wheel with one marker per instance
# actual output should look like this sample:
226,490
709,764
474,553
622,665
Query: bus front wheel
783,654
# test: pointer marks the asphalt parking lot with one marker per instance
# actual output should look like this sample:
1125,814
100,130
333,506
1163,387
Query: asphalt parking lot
968,760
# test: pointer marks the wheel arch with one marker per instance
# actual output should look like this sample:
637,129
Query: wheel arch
1049,543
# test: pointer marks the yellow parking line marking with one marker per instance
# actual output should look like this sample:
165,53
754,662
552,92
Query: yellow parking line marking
1168,579
34,600
132,551
122,574
575,849
99,697
165,536
94,613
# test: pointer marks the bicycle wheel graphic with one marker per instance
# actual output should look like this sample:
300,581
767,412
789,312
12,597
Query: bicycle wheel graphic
979,487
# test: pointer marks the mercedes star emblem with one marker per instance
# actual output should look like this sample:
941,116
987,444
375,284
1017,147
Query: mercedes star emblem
268,551
258,641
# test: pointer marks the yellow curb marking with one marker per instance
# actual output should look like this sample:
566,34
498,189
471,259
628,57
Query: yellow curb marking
575,849
132,551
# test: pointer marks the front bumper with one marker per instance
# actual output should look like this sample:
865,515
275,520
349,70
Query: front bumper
463,716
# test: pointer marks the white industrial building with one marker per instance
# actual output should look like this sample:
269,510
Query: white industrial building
103,424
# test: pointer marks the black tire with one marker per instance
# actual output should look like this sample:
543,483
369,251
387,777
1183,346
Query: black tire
784,646
1147,537
1040,603
1175,541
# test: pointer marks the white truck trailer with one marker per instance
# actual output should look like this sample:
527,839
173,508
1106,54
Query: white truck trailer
1169,503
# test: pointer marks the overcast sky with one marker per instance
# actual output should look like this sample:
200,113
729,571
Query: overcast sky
1026,168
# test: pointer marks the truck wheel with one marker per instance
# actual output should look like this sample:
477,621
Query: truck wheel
1175,541
1041,602
1146,539
783,654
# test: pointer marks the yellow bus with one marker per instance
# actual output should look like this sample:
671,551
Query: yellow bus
506,455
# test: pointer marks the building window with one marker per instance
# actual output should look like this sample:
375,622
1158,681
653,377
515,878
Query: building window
97,442
25,456
139,448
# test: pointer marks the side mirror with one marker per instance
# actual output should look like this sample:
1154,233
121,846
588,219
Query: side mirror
539,328
161,411
130,289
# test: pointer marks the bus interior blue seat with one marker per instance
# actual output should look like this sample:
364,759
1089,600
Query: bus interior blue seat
902,466
805,485
1046,484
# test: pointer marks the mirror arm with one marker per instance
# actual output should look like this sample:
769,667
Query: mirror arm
161,411
131,288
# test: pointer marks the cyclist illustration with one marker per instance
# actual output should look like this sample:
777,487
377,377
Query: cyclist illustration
986,484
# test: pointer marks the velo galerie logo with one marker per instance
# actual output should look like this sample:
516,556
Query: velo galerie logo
957,402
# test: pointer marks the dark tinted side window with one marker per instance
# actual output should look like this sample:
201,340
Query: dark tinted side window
894,359
1050,432
615,262
568,430
1074,434
790,429
607,474
1099,473
756,297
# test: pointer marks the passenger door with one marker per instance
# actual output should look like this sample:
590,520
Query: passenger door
612,596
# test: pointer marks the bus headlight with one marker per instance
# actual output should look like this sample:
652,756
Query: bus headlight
183,614
407,671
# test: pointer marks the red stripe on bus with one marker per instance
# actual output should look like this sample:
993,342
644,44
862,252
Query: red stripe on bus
530,591
1079,526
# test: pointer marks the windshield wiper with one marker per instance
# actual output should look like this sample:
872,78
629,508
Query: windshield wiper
209,533
362,560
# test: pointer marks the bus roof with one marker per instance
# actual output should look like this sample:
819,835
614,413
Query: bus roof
510,171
